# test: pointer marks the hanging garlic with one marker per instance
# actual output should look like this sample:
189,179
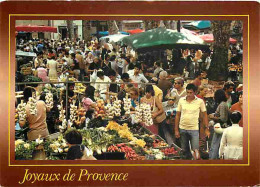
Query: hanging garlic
138,113
127,105
73,111
21,111
49,100
147,115
32,105
61,111
117,106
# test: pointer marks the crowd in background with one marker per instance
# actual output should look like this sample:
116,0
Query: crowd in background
180,110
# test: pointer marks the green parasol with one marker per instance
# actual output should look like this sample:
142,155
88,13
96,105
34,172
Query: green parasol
163,39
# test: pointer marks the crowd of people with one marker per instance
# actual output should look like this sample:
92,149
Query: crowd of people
179,105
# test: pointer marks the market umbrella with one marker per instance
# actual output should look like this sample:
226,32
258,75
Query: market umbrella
113,38
35,28
106,33
209,38
164,39
135,31
198,25
186,31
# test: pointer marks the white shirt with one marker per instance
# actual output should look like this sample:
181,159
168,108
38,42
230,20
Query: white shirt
69,60
131,72
140,78
102,88
114,65
190,111
231,144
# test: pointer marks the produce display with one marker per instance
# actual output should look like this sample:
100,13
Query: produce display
130,154
169,151
81,112
159,143
79,88
100,109
107,133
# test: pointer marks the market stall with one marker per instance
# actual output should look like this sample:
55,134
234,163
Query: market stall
114,132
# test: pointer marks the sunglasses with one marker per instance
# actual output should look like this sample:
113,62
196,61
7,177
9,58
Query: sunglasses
177,83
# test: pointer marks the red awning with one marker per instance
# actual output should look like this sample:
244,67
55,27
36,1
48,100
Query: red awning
135,31
35,28
209,38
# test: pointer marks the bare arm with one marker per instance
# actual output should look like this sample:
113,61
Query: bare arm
177,120
159,106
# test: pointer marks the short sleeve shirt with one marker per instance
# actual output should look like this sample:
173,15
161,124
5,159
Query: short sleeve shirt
190,111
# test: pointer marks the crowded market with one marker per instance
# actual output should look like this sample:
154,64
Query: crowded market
152,92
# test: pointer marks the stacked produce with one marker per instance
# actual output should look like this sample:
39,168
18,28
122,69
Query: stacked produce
62,118
169,151
130,154
127,104
79,88
21,111
81,112
100,109
32,105
144,114
96,139
123,131
159,143
156,153
49,100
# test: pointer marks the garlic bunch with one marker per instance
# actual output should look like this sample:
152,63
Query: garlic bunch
21,111
113,109
127,105
117,107
144,114
73,111
61,112
138,113
49,100
109,111
63,126
32,105
147,114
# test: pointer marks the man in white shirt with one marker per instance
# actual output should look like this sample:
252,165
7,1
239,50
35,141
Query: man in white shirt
187,121
157,69
101,86
137,77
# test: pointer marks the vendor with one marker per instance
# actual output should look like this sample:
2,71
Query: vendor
37,122
101,85
135,98
77,151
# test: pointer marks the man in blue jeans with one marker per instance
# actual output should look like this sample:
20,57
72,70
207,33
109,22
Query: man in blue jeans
189,110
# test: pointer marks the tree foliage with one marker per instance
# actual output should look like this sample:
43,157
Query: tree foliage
219,65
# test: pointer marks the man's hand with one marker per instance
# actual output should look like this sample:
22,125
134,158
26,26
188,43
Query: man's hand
154,115
207,132
177,134
170,102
